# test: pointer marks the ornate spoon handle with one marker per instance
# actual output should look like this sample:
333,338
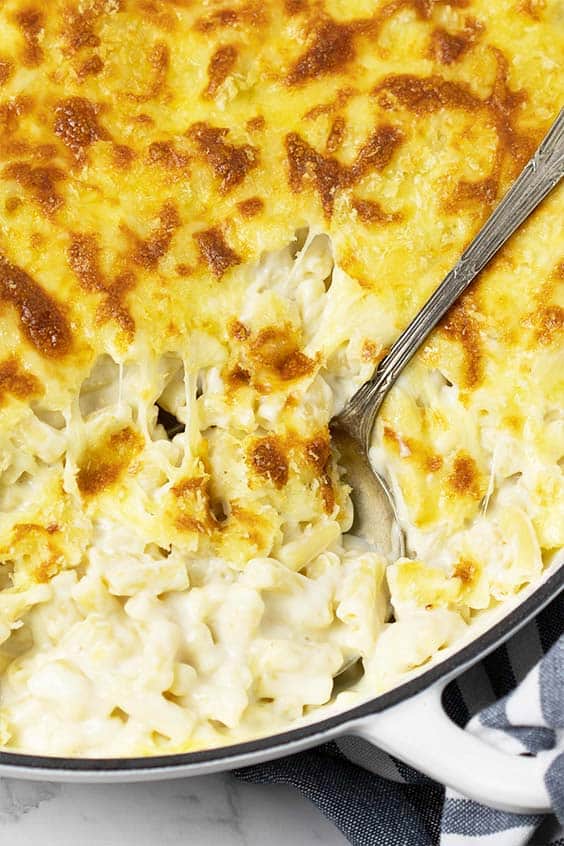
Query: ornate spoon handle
538,178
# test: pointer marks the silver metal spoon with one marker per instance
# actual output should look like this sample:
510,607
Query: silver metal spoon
376,518
375,515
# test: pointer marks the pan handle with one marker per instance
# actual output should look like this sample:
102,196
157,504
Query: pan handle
419,732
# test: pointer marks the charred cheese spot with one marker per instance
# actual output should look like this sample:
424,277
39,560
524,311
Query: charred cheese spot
447,47
294,7
331,51
252,15
424,95
229,162
40,182
12,204
256,124
220,66
306,163
318,451
276,348
341,98
377,152
467,570
550,324
6,70
143,119
79,29
154,12
84,259
215,251
219,19
30,21
11,112
251,207
165,154
433,463
159,62
193,509
336,135
104,463
483,192
532,8
16,382
238,377
464,479
238,330
148,252
39,548
461,325
268,459
123,156
90,67
372,352
369,211
295,366
41,317
113,308
246,528
328,174
76,124
318,454
414,451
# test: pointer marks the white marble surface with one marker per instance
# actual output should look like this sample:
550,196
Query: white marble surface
213,810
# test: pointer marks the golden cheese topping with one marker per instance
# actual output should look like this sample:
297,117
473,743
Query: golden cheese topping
215,220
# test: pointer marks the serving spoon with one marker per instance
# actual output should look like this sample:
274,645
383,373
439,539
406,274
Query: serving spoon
376,519
375,515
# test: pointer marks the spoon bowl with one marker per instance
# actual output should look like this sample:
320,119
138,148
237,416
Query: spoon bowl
375,516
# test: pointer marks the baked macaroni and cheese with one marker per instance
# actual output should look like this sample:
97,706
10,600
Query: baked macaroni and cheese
215,219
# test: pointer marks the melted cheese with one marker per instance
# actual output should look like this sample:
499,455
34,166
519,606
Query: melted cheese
226,213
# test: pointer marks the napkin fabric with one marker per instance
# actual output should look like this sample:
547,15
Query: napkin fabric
513,699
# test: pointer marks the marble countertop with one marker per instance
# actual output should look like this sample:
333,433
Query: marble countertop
215,809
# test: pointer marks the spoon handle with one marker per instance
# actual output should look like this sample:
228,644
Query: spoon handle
538,178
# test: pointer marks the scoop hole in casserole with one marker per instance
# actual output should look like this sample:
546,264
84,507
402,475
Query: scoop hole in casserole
219,509
170,423
173,396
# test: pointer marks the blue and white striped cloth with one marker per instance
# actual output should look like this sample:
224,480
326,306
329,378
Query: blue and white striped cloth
513,699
